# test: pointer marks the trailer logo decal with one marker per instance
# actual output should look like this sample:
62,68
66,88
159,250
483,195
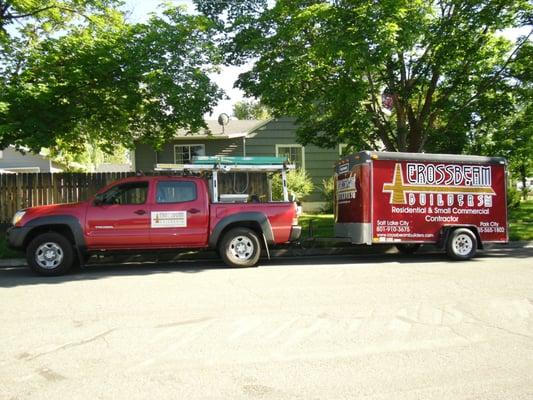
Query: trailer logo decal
343,168
440,179
346,188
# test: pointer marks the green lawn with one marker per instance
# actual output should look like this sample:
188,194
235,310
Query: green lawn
4,251
521,222
319,225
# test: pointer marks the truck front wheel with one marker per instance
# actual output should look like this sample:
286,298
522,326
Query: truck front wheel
462,244
50,254
240,247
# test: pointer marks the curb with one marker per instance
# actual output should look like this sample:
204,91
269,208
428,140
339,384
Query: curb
277,252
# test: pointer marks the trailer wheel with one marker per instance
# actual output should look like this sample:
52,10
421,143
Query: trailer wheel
461,244
240,247
50,254
408,248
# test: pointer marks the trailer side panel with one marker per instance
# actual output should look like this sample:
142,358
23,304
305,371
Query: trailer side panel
413,200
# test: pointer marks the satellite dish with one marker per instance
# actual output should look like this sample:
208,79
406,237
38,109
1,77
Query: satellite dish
223,120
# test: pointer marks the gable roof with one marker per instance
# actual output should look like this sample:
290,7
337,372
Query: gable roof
234,129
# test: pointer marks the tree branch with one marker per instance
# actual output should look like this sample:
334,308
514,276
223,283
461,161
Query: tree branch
496,77
6,16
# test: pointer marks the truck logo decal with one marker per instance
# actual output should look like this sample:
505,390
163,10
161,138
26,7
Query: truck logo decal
441,179
169,219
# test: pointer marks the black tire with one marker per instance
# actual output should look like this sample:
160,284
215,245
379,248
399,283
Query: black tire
60,257
461,244
408,248
240,247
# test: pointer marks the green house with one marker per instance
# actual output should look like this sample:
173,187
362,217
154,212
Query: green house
275,137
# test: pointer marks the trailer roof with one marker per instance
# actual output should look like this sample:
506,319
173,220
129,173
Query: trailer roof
457,158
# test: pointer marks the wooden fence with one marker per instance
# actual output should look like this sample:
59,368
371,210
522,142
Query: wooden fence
28,190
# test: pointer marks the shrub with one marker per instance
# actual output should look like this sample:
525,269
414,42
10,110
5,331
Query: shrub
327,189
298,183
513,198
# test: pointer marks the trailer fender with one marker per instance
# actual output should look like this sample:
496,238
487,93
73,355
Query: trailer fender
447,230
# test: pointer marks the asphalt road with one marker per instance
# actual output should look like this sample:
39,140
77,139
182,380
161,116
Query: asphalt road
375,327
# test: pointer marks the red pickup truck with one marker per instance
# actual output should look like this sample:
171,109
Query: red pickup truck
150,213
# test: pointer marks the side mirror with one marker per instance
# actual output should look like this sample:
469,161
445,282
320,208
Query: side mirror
98,201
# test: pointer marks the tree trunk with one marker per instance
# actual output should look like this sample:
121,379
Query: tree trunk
523,177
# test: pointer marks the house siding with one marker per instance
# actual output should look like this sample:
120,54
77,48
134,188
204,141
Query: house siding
319,162
262,141
145,155
12,158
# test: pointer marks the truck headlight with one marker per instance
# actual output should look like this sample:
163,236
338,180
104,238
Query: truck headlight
18,216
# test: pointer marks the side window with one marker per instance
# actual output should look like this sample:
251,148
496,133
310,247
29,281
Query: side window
128,193
175,192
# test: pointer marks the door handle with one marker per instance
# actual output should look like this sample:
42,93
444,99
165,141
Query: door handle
193,210
140,212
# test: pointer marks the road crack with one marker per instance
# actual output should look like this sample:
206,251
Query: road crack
71,344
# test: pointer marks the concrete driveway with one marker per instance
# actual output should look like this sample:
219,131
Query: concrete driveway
372,327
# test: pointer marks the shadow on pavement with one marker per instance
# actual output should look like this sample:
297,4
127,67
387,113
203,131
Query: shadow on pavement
21,276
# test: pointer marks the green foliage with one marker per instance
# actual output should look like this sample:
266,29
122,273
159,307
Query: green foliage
510,134
6,252
102,80
513,198
521,221
327,190
88,158
440,65
250,110
298,182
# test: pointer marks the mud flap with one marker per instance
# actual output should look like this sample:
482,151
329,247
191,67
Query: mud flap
266,246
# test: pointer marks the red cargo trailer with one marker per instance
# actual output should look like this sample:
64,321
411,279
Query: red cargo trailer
457,202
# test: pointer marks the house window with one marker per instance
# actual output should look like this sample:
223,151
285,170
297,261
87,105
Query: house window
295,153
183,154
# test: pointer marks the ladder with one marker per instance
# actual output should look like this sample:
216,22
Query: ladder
216,164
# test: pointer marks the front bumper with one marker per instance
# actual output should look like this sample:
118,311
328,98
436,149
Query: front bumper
296,232
15,237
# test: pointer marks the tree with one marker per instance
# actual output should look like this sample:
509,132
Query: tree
250,110
406,75
512,135
108,82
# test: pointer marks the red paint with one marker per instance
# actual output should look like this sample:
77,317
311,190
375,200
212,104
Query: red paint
438,194
129,226
412,201
355,204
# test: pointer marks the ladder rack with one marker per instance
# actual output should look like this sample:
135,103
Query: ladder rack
216,164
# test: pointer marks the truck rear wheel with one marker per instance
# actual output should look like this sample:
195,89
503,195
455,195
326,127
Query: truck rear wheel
50,254
461,244
240,247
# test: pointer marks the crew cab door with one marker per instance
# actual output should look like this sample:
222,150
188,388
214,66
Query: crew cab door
180,213
119,217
